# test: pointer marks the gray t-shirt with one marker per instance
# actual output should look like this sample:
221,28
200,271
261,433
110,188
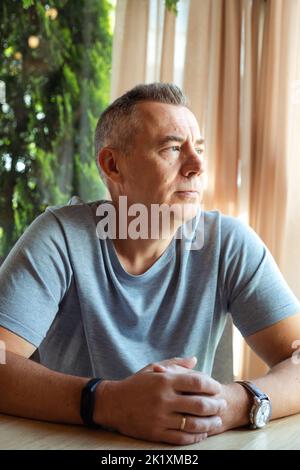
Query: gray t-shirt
65,291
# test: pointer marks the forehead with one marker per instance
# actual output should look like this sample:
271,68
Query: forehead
159,119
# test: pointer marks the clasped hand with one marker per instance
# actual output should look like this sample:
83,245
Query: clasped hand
165,402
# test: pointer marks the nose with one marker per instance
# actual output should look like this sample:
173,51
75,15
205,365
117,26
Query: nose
193,163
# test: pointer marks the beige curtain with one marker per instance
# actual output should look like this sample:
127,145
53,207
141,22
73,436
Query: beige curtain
242,74
130,45
134,61
275,144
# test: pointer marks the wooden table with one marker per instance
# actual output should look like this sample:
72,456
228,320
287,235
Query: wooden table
18,433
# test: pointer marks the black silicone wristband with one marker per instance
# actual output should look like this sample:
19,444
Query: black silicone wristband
87,403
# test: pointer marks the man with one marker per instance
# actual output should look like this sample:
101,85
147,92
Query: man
84,306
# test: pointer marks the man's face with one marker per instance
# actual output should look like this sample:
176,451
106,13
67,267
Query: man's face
165,165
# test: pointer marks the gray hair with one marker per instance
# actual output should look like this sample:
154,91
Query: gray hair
119,120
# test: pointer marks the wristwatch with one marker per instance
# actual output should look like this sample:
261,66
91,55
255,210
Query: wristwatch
261,409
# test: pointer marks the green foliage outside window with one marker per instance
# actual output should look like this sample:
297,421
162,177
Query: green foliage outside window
172,5
55,65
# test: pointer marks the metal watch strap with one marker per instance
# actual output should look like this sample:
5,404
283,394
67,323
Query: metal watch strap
87,402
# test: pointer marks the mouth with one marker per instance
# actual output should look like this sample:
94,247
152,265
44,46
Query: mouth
190,193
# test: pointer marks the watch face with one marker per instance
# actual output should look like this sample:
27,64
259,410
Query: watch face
262,414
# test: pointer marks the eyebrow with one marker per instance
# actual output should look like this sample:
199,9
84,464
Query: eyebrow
176,138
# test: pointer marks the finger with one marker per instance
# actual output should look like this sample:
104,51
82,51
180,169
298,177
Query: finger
162,366
199,405
158,368
188,362
196,382
194,424
180,438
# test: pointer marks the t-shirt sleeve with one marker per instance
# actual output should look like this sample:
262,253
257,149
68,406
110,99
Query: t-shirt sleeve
256,292
34,278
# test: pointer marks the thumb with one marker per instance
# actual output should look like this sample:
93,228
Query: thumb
188,362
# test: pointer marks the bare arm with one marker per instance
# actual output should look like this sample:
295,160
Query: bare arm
31,390
282,383
148,405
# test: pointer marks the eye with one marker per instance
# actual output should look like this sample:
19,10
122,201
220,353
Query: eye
175,148
199,151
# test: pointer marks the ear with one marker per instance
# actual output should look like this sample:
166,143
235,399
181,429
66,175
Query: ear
107,160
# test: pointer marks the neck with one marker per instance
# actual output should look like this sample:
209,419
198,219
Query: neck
141,239
137,256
